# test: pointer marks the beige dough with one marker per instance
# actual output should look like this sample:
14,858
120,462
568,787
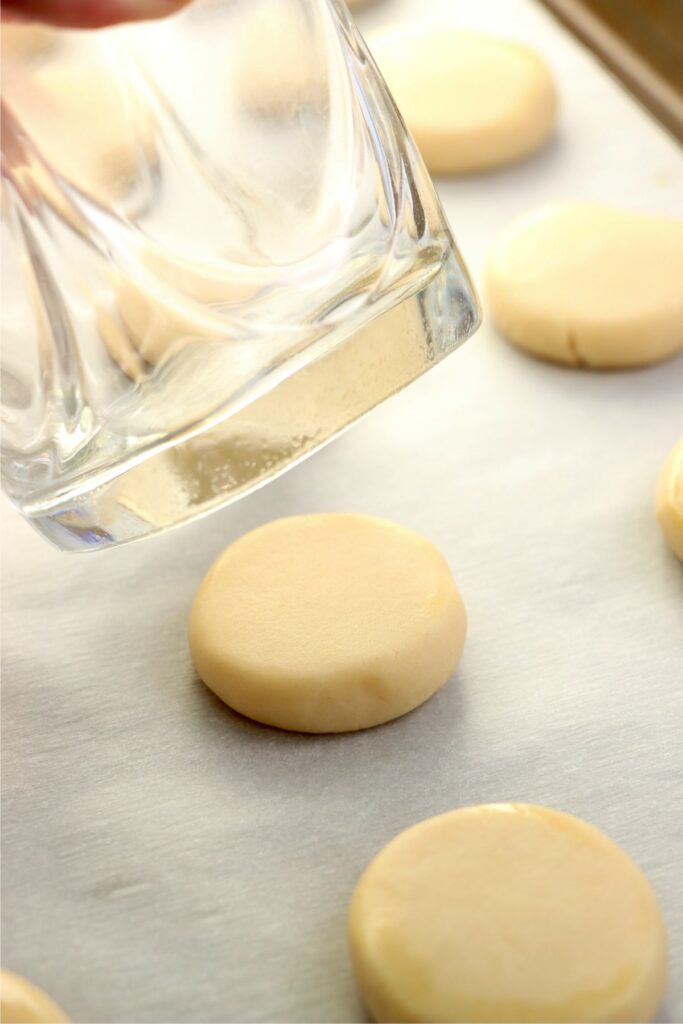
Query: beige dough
327,623
118,344
471,101
158,323
590,285
23,1003
89,130
290,72
21,42
506,912
669,502
174,304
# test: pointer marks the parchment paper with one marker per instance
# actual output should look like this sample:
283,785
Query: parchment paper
166,860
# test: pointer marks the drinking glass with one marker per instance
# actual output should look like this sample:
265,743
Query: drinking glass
220,248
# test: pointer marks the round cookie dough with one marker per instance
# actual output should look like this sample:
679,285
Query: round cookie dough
22,41
506,912
177,301
327,623
472,101
669,503
118,344
290,74
160,322
23,1003
590,285
87,128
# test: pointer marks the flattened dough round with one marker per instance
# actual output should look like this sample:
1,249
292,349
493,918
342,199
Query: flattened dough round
290,73
89,126
670,500
472,101
20,41
590,285
506,912
327,623
179,310
23,1003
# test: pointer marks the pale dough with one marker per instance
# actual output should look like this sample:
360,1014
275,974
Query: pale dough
669,502
506,912
289,73
590,285
23,1003
87,128
22,42
174,305
327,623
118,344
160,322
471,101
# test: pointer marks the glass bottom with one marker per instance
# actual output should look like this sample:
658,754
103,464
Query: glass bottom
196,474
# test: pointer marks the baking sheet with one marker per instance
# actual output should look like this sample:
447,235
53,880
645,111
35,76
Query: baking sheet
167,860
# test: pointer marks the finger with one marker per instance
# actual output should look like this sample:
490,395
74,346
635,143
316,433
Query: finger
89,13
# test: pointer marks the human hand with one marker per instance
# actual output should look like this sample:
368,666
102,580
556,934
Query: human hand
87,13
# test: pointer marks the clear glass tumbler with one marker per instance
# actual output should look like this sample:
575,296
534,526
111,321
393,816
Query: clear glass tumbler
220,248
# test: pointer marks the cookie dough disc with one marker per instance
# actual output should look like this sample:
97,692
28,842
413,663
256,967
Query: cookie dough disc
290,73
670,500
180,302
506,912
590,285
21,41
118,344
89,126
160,322
471,101
23,1003
327,623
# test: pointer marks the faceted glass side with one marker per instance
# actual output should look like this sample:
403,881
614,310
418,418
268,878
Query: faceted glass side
220,249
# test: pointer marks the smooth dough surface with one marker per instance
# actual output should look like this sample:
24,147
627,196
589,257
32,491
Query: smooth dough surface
590,285
506,912
669,502
92,132
472,101
176,304
327,623
290,73
23,41
23,1003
